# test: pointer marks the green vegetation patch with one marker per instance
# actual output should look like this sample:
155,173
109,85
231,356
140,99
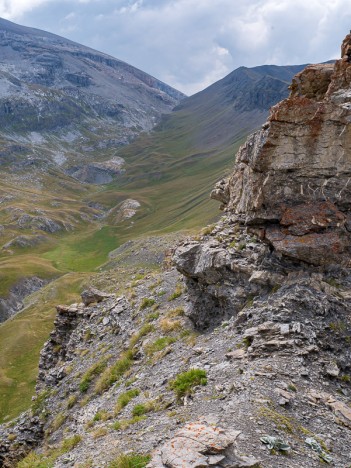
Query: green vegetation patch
47,460
144,330
147,302
125,398
159,345
95,370
113,373
132,460
125,423
185,382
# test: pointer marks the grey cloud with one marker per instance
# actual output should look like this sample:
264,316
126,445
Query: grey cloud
191,43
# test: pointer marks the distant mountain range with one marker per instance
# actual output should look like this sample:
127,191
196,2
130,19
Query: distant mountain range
70,100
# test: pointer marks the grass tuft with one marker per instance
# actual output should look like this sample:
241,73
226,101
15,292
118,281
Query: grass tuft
113,373
159,345
185,382
95,370
132,460
125,398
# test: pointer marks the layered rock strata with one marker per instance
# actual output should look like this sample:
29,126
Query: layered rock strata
287,202
292,180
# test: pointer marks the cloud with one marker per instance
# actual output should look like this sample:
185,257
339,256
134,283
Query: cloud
191,43
13,9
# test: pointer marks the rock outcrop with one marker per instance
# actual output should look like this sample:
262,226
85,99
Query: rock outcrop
13,302
287,202
291,180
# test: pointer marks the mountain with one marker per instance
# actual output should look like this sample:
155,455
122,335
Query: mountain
194,145
51,84
235,351
62,104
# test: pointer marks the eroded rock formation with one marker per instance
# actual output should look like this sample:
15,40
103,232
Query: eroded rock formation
287,202
292,178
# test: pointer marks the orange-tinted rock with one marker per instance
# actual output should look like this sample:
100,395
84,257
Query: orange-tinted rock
312,217
315,248
296,171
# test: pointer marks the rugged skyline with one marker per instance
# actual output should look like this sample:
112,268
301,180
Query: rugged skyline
190,44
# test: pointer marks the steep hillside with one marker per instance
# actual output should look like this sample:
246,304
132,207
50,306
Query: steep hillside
237,357
192,146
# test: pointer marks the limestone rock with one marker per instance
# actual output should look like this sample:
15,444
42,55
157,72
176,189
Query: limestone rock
199,445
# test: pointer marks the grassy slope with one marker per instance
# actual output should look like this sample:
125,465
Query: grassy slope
21,340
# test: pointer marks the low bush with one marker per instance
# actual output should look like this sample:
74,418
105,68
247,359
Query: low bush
185,382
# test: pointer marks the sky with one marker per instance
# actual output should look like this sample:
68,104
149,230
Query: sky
189,44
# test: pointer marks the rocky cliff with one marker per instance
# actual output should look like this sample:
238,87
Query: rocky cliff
242,357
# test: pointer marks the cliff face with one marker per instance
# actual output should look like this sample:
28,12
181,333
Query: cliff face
287,201
292,178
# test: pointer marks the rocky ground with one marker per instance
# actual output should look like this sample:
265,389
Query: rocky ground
279,368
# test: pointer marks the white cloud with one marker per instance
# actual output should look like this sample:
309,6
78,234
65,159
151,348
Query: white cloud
190,43
12,9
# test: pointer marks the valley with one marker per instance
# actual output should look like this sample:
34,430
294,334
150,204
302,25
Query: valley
66,173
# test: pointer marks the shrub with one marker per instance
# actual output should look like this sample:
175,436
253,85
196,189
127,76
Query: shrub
146,302
132,460
93,371
185,382
159,345
125,398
